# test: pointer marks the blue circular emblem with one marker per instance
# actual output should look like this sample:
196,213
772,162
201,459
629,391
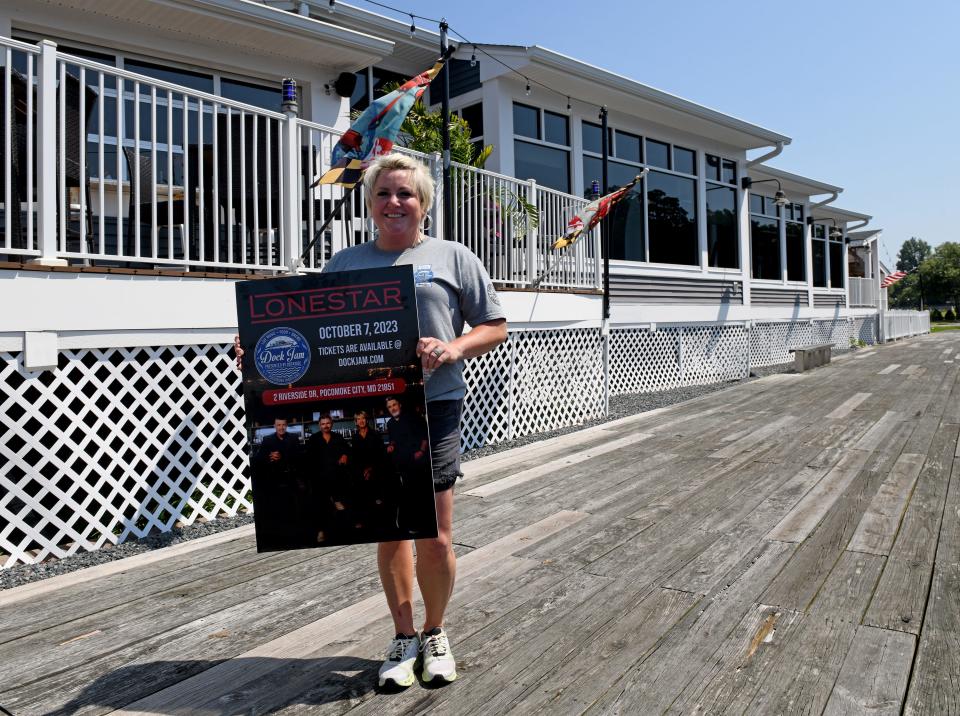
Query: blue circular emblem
282,356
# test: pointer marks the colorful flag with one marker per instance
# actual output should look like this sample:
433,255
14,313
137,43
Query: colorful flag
374,132
892,279
592,214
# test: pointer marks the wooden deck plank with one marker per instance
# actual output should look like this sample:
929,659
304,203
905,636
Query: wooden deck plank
848,406
873,678
878,527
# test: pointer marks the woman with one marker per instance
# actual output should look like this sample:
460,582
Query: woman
452,287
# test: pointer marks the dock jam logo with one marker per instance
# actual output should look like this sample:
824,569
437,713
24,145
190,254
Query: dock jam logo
282,356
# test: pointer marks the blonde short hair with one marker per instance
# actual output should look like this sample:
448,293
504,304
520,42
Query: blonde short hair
419,177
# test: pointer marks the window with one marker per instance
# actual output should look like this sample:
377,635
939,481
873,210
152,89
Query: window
723,234
371,85
593,139
473,115
765,238
541,146
627,146
820,255
796,255
658,154
836,260
672,219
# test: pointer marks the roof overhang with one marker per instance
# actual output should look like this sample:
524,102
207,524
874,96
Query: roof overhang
842,216
409,54
248,26
594,85
793,183
864,238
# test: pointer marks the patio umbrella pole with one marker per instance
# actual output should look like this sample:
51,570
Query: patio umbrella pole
327,222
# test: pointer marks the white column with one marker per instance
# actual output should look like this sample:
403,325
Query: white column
290,204
46,145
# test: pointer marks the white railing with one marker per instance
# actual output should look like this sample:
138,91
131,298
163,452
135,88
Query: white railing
900,324
137,172
864,292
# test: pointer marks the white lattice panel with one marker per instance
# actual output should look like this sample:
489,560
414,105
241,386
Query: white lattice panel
644,361
865,329
836,332
558,379
116,443
486,409
770,343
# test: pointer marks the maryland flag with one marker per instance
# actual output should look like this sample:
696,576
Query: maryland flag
592,214
892,279
374,132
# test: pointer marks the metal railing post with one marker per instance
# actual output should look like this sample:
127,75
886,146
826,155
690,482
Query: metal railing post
290,202
46,146
532,234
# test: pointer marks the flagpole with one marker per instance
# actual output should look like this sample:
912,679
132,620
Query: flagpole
605,244
445,117
333,214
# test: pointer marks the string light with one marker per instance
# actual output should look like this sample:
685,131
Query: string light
476,49
332,4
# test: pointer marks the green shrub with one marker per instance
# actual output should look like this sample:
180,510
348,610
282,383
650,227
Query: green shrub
935,315
950,315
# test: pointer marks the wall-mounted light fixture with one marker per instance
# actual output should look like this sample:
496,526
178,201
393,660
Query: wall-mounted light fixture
835,233
779,198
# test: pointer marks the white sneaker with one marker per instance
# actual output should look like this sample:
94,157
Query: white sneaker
401,659
438,660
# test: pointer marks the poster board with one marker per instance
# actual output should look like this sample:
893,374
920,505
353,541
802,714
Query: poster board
335,409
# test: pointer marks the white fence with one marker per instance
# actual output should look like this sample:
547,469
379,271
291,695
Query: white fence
136,172
116,443
901,324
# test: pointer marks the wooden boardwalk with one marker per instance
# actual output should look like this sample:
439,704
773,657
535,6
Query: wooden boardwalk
789,545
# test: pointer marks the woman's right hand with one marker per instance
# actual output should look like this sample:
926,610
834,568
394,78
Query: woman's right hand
238,352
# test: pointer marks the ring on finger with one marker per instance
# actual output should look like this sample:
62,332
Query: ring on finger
438,351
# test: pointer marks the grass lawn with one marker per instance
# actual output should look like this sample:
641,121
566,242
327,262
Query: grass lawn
950,327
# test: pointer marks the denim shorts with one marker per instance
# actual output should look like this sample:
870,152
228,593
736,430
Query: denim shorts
443,418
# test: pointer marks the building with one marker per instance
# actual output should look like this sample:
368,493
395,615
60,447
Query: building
165,169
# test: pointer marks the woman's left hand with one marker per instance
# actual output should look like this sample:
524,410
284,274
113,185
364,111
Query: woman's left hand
433,353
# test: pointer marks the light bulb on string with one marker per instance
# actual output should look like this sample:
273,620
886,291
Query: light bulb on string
528,88
413,27
331,6
473,57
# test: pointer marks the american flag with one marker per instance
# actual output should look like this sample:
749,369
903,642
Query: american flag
892,279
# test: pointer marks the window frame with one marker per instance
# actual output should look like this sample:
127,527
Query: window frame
541,131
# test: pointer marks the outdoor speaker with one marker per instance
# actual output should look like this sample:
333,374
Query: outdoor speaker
345,84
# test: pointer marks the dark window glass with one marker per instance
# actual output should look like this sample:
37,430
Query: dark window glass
257,95
618,174
592,138
626,228
555,128
474,117
672,219
712,166
526,121
819,231
722,227
836,265
193,80
729,171
658,154
684,160
358,100
770,206
765,248
820,263
382,79
796,256
550,167
628,147
788,212
798,212
756,204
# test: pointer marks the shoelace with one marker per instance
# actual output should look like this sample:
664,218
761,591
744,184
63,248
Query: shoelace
397,649
437,645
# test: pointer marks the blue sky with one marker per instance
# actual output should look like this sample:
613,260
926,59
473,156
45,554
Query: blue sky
868,91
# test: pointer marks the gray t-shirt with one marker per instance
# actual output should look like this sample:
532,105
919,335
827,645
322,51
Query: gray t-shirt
453,287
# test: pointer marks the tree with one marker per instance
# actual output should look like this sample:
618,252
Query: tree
913,253
941,275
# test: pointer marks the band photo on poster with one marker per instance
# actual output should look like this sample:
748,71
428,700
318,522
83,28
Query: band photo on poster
336,416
